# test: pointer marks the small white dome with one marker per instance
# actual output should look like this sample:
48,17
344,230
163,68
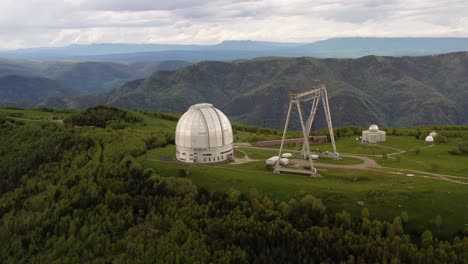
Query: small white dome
314,156
374,128
433,134
274,160
286,155
429,139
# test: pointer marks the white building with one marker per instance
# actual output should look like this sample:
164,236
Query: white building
429,139
373,135
203,135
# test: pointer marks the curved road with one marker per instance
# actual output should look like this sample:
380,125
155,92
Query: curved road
366,163
370,164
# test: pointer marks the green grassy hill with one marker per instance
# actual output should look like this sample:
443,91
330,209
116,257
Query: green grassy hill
391,91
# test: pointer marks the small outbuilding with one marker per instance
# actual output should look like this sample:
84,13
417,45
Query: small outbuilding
274,160
429,140
373,135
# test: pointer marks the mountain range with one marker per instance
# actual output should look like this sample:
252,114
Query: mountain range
351,47
26,91
66,78
389,91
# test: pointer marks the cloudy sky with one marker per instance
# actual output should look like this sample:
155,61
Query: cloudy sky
37,23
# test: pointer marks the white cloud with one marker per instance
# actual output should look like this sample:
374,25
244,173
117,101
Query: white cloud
30,23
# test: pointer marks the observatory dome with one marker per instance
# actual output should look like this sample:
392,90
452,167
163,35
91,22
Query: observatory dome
373,135
203,135
374,128
429,139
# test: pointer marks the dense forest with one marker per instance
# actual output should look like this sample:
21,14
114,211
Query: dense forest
33,81
74,193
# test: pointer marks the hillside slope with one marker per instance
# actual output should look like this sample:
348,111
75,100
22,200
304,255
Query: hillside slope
26,90
391,91
86,77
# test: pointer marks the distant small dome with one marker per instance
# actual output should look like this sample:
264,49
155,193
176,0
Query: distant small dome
429,139
374,128
433,134
314,156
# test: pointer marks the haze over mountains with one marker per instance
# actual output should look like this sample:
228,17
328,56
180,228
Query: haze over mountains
231,50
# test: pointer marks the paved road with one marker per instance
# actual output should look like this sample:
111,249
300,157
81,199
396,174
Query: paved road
366,163
245,159
370,164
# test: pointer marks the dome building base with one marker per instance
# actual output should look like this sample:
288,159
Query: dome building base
211,155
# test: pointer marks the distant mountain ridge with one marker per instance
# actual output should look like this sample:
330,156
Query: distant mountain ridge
79,77
389,91
25,91
350,47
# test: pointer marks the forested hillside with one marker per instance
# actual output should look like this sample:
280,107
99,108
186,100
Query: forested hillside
84,77
25,91
390,91
75,193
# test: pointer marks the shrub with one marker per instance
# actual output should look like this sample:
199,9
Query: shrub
103,116
435,166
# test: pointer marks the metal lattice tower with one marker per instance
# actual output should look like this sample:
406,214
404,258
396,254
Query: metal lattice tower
315,94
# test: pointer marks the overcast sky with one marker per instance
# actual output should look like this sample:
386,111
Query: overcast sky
34,23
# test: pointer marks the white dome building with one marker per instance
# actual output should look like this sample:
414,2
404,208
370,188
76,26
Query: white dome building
373,135
429,139
373,128
203,135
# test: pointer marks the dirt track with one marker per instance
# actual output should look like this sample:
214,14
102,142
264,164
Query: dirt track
370,164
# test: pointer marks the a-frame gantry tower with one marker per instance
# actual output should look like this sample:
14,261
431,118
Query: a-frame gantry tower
315,94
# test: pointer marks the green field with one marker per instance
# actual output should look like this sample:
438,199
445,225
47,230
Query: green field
35,114
385,195
434,159
263,154
393,144
151,123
